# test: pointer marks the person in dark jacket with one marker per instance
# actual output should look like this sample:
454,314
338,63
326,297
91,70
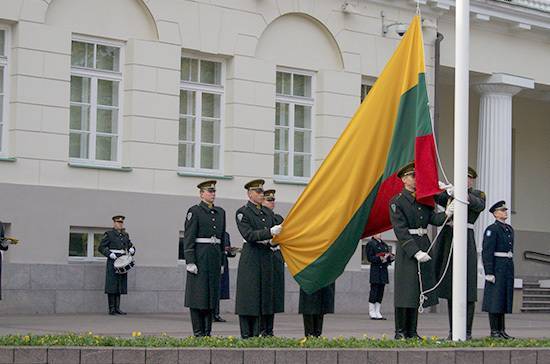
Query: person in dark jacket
314,307
442,248
4,244
203,249
380,256
115,242
497,255
278,265
254,301
224,280
410,220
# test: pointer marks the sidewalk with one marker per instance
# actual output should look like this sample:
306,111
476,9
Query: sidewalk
525,325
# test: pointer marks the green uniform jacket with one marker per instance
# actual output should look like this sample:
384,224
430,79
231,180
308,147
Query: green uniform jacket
2,247
442,247
202,290
405,214
278,275
319,302
116,240
255,273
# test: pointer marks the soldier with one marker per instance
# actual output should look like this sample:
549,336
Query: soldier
380,256
497,255
224,279
3,246
115,242
257,225
313,308
476,200
203,248
410,220
278,265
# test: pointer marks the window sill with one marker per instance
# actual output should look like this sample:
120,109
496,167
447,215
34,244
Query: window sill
98,166
83,260
290,182
206,175
7,159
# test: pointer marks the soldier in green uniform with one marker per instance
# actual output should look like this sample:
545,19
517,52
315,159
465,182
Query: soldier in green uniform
254,299
204,231
115,242
313,308
4,245
410,220
278,266
476,204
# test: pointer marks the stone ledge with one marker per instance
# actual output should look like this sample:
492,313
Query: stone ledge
118,355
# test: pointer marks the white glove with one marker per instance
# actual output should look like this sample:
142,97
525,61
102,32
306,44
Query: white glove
192,268
490,278
450,209
449,188
276,230
422,257
112,256
132,250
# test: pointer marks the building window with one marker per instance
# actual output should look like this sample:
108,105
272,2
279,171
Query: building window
3,88
84,243
293,125
365,90
200,143
95,113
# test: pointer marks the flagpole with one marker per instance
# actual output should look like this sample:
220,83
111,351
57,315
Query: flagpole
462,31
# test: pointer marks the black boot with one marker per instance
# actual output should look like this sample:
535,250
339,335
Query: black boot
266,325
117,306
111,300
494,324
470,311
309,325
318,325
400,320
503,333
217,317
411,324
207,319
197,322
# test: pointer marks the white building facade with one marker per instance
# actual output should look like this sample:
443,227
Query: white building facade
122,107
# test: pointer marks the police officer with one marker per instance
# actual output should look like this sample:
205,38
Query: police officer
410,220
497,255
476,204
278,265
313,308
115,242
257,225
4,244
380,256
203,248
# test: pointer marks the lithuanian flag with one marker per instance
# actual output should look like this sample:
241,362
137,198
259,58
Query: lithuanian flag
348,197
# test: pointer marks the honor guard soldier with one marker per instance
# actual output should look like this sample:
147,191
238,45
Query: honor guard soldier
498,262
380,256
410,221
203,248
278,265
115,243
442,248
224,279
257,225
4,244
313,308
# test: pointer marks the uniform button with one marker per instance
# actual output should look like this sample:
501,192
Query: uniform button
212,211
213,219
214,226
420,217
263,219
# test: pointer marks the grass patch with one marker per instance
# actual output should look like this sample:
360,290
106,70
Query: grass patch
165,341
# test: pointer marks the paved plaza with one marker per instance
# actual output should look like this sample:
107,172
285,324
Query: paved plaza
527,325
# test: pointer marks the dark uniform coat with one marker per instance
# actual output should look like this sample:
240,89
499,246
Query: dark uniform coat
278,275
115,240
202,290
378,269
442,247
1,248
498,296
255,273
224,280
406,213
319,302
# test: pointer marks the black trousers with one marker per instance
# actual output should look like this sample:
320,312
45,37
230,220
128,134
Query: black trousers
470,311
313,325
406,322
376,292
250,326
201,320
266,325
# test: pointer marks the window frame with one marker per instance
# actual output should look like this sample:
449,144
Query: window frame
94,75
4,62
89,247
200,88
292,101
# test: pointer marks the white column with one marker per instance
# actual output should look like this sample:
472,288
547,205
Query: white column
494,145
